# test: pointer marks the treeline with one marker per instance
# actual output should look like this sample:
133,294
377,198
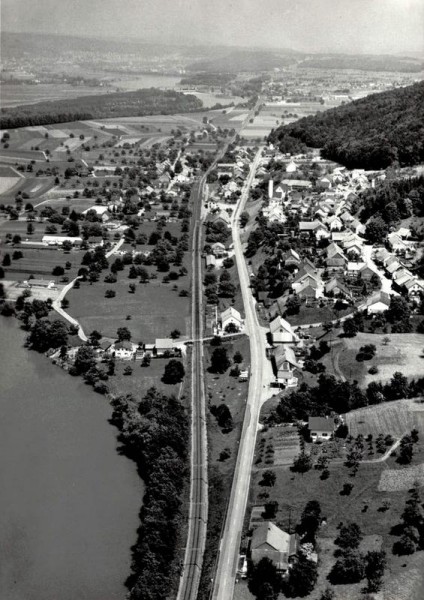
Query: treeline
333,395
129,104
371,133
393,200
154,433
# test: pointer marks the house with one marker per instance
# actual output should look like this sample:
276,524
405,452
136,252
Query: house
231,316
37,283
221,217
291,167
334,223
320,428
285,364
309,289
166,347
295,184
335,287
57,240
356,226
366,273
414,287
210,260
315,228
123,350
291,257
281,332
218,249
378,303
393,266
324,183
335,256
353,269
397,244
269,541
352,245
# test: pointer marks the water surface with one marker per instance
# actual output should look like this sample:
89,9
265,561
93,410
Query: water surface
68,502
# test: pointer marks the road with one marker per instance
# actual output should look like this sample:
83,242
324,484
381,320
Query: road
230,542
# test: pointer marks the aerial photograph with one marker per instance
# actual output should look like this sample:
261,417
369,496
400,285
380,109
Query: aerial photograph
212,300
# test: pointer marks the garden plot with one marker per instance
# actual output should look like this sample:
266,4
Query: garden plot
397,480
286,446
127,140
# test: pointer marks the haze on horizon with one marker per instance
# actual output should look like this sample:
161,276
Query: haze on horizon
345,26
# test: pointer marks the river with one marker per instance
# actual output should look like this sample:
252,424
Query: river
69,502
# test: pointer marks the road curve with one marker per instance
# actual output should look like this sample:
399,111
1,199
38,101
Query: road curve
230,542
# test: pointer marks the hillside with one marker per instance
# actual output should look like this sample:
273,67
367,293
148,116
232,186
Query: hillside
241,60
372,133
129,104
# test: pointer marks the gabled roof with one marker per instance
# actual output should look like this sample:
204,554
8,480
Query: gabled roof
379,297
285,353
334,250
321,424
280,322
273,536
413,282
230,312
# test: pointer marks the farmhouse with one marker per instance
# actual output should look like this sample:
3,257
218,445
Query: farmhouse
414,287
57,240
231,316
165,346
320,428
281,332
378,303
37,283
123,350
218,249
269,541
285,364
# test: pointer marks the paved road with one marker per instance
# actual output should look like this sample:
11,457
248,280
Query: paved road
230,542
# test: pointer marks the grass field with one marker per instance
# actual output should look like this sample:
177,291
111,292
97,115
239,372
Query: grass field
40,263
404,353
7,183
141,379
155,308
395,418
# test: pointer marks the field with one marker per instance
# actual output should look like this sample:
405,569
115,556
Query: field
7,183
395,418
403,353
141,379
155,309
40,263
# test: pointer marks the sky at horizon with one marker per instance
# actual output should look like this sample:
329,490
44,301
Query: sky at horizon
351,26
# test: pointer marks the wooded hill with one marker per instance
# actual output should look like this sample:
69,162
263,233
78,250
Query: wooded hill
372,133
123,104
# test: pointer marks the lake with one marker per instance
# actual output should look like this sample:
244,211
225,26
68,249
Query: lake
69,502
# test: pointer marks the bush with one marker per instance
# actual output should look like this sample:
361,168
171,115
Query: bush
110,294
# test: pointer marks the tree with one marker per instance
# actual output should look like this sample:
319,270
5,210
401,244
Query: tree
58,270
302,463
84,360
175,334
375,563
123,334
350,327
6,260
310,521
94,337
349,568
30,228
244,218
174,372
45,334
398,386
128,370
110,294
238,357
219,360
376,230
223,417
302,577
268,478
264,581
406,450
350,536
398,310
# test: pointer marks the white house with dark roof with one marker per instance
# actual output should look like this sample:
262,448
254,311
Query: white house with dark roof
378,303
321,428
